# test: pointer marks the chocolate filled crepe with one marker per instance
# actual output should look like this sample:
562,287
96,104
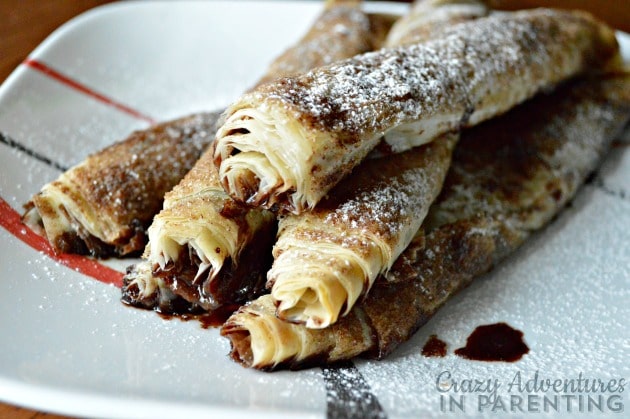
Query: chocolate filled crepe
204,249
184,237
509,177
103,205
328,258
287,143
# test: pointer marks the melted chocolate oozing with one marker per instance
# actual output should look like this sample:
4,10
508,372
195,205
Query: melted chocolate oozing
434,348
494,342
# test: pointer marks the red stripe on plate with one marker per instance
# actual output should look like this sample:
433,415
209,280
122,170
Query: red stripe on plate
12,222
56,75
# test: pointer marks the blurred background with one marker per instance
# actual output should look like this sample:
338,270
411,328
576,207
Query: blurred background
25,23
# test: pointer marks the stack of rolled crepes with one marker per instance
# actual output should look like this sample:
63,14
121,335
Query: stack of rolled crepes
104,205
508,178
206,250
366,191
290,145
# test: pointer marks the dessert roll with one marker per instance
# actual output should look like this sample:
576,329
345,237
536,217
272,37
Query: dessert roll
508,178
327,258
363,225
200,234
205,248
287,143
427,17
103,205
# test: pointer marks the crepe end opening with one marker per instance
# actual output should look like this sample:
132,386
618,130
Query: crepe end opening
251,179
256,153
240,182
32,218
173,247
316,306
241,344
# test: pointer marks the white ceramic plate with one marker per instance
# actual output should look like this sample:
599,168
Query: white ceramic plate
69,346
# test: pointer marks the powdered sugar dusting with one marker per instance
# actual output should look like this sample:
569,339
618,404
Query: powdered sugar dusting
373,92
385,209
126,180
530,182
337,114
383,203
389,197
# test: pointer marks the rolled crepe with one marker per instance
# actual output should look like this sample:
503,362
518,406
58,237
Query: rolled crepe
366,221
103,205
326,259
288,142
510,175
200,234
203,246
427,17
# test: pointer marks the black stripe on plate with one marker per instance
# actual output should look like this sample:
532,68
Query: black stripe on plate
4,138
348,395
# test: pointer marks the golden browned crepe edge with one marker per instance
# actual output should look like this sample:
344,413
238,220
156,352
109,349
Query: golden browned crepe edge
119,188
340,31
429,17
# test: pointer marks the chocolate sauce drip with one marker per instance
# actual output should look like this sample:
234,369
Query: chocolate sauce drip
494,342
434,348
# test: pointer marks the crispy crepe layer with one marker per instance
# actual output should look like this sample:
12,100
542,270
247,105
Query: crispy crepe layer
508,178
427,17
287,143
103,205
80,213
326,259
202,235
203,247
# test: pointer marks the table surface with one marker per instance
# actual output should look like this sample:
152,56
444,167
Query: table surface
27,22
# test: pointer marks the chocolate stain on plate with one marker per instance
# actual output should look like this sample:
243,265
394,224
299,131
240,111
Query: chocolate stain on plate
434,348
494,342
